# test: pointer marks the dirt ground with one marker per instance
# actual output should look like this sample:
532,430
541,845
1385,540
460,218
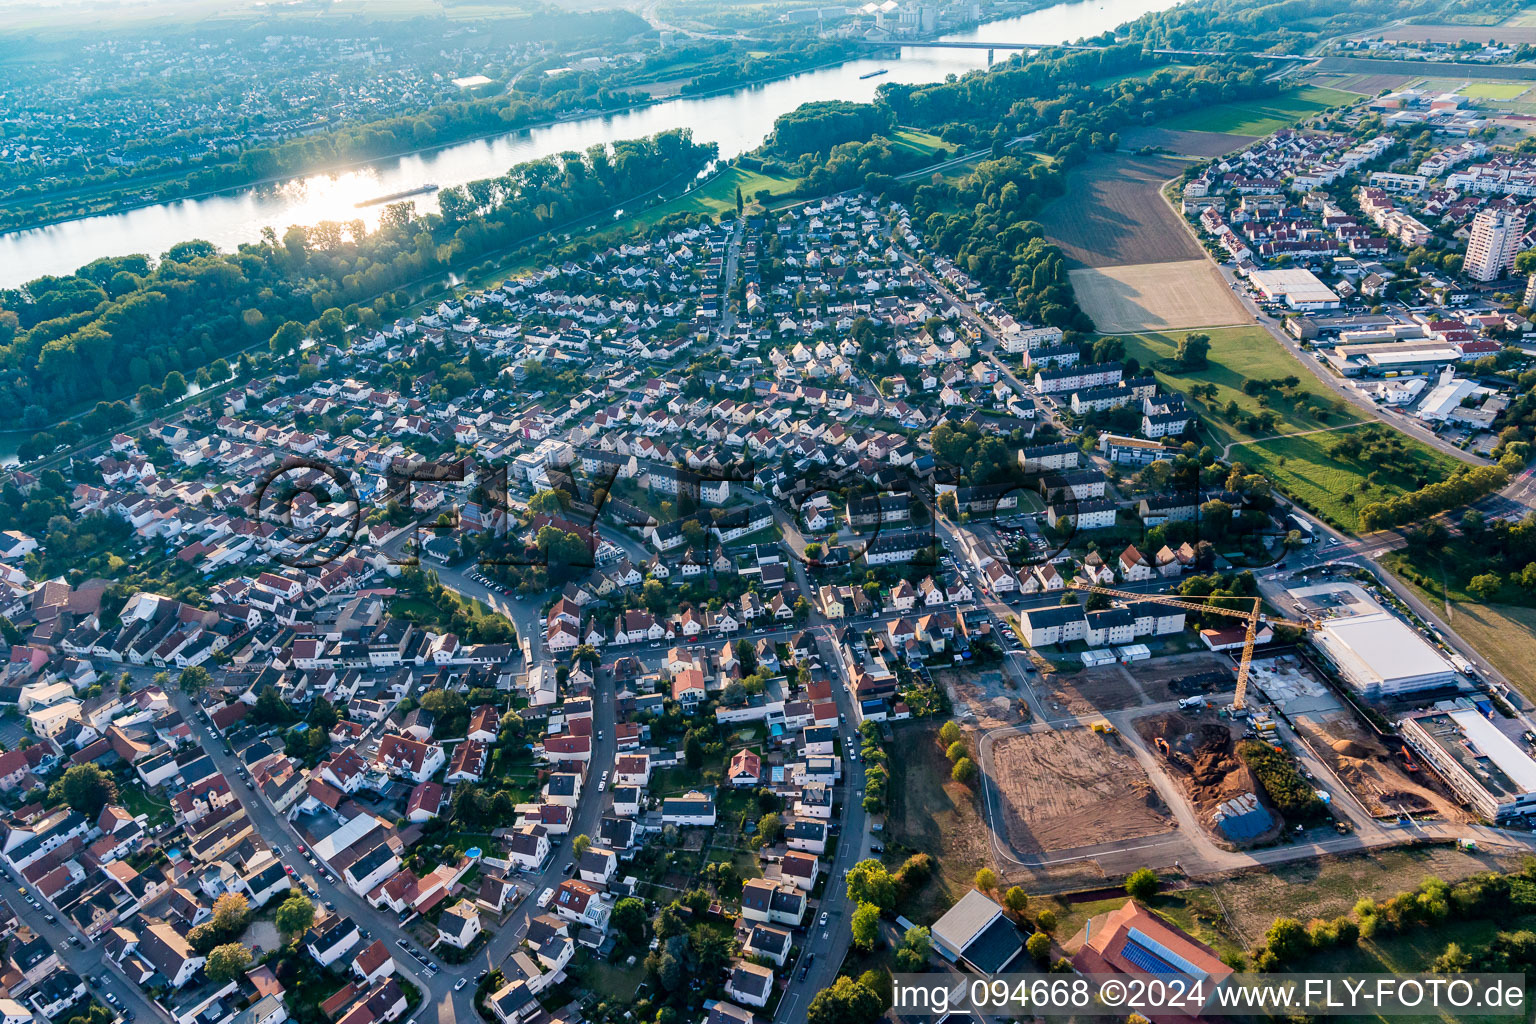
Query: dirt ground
1115,214
1183,675
1091,691
1201,757
1156,296
1375,775
988,694
1203,144
1069,788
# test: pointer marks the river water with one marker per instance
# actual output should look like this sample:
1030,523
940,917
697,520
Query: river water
738,121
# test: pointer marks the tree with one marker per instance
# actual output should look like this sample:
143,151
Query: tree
230,913
1016,899
846,1002
286,338
296,916
87,788
986,879
965,771
1454,960
740,204
227,962
1286,941
194,678
628,920
1141,884
866,926
1193,351
869,882
949,733
770,829
580,844
1039,948
1485,586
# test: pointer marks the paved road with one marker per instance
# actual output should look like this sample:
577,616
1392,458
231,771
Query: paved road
437,988
829,941
88,961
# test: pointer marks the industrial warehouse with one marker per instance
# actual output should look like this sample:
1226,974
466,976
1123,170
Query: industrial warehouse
1376,652
1486,768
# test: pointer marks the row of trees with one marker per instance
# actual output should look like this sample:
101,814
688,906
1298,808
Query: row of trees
1464,486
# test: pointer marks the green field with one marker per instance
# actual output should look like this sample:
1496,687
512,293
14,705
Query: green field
1495,90
1260,117
1298,462
1134,76
920,142
1238,354
1334,488
714,198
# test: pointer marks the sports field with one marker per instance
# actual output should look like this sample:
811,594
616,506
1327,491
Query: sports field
1156,296
1260,117
1494,90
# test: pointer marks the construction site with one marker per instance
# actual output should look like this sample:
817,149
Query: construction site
1388,781
1200,755
1060,789
987,698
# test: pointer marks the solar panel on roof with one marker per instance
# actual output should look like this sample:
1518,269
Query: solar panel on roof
1142,957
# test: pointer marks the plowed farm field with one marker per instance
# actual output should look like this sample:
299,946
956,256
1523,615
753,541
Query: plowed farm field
1114,214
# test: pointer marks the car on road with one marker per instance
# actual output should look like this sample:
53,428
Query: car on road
460,984
823,918
570,868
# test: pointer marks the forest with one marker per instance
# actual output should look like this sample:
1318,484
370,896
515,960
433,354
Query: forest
122,325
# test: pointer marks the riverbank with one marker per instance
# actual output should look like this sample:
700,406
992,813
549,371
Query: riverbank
736,120
113,208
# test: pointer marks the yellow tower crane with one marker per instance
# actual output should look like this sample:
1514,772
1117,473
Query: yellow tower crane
1252,618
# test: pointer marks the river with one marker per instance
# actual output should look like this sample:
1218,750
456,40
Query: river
737,121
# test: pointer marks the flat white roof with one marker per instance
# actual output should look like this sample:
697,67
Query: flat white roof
1384,647
1296,284
1498,748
